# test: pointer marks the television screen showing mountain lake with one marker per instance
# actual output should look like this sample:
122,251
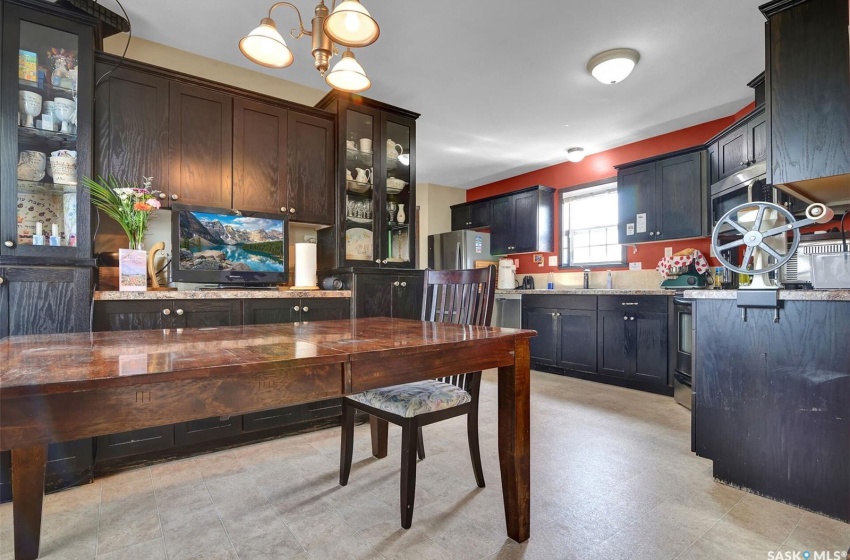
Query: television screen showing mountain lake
227,242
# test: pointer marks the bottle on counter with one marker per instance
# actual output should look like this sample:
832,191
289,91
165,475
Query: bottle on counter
550,281
718,277
586,280
609,282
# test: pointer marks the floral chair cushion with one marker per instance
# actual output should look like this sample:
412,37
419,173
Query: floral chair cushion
412,399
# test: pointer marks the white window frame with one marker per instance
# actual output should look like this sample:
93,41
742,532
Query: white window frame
565,254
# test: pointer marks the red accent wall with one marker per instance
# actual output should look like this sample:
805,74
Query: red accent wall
601,166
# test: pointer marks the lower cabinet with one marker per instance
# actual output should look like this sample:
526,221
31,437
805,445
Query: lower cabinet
210,313
384,292
610,337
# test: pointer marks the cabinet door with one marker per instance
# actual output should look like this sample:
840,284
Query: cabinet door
269,311
273,418
525,223
732,152
682,197
134,442
324,309
757,139
636,195
407,297
200,314
200,134
502,214
614,347
479,214
42,300
713,164
650,346
129,315
461,217
542,346
259,157
396,173
197,431
131,135
576,339
373,295
311,169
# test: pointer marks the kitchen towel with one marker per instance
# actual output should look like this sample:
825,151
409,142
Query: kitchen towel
683,258
305,265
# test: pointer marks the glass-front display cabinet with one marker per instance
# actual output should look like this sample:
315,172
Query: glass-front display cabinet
376,164
46,104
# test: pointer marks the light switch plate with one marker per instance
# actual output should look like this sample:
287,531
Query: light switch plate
553,260
668,251
635,266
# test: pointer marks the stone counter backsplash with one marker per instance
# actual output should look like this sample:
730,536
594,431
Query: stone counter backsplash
220,294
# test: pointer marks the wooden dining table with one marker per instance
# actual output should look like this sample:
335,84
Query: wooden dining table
56,388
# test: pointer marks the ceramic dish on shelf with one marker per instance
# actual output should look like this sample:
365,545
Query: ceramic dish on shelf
358,244
357,187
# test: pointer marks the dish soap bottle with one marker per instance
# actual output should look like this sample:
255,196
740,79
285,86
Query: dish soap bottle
550,281
609,282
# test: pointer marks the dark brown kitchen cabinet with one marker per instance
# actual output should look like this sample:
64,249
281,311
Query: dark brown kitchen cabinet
663,199
311,185
471,215
522,222
384,292
577,339
207,429
566,330
632,338
125,444
739,146
290,310
808,96
131,131
166,314
543,346
260,157
44,300
200,135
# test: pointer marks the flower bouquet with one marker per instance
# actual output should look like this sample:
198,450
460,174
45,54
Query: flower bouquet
128,204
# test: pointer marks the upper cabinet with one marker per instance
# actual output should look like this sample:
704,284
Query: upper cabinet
376,178
738,147
808,97
46,109
523,221
471,215
665,198
213,145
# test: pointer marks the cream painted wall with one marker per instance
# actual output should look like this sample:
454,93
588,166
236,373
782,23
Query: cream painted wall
434,213
207,68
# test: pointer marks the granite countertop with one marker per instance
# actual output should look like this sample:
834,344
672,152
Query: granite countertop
220,294
593,292
788,295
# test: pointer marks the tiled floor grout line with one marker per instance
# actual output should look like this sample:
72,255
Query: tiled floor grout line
218,516
792,531
684,550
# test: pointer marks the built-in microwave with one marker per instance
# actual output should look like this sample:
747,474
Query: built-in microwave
748,185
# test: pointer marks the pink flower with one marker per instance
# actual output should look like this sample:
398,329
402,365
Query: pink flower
153,202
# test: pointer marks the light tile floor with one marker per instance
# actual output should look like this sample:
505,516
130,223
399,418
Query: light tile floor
612,477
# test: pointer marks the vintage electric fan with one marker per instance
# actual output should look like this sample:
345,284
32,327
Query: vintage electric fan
762,229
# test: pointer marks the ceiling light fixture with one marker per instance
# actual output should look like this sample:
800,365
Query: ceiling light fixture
613,66
575,155
349,25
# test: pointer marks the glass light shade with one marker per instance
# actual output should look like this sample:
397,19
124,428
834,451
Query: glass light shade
613,66
575,155
266,47
348,75
350,25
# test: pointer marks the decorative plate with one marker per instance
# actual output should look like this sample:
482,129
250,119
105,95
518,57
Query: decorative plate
359,220
358,244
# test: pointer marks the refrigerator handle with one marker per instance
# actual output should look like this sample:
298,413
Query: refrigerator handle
457,256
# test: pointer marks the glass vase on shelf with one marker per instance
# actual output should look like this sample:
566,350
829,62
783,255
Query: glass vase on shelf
129,204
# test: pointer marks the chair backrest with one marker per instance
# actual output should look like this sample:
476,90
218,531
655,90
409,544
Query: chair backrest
463,297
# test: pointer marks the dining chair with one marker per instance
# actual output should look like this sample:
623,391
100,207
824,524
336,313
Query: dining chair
450,296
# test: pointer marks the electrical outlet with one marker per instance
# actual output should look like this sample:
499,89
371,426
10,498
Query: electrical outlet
668,251
635,266
553,260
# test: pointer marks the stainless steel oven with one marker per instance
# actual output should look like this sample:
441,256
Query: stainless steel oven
683,370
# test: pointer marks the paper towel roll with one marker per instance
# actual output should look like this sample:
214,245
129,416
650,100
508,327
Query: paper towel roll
305,265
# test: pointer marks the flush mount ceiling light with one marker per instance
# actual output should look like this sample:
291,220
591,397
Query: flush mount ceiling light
575,155
349,25
613,66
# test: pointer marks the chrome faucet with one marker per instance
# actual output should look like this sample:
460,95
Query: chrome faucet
586,284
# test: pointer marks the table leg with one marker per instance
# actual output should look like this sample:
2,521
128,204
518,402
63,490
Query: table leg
514,442
28,465
380,433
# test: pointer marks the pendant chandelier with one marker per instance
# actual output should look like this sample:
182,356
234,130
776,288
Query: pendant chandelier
348,25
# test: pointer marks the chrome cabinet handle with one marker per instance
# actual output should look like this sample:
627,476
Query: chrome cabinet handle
657,233
404,284
377,261
2,279
166,312
396,283
651,233
631,318
625,318
384,261
174,197
283,209
179,312
629,303
305,309
9,243
292,210
296,308
161,196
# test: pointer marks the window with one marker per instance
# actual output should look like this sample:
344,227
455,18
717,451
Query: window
589,226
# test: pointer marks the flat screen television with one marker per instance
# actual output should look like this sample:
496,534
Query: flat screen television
228,247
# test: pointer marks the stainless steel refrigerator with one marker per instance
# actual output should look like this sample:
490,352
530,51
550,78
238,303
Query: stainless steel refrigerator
458,249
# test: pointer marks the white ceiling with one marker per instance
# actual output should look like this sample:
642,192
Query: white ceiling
498,82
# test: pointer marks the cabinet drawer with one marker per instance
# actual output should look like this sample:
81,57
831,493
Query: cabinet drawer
655,304
207,429
323,409
273,418
559,301
134,442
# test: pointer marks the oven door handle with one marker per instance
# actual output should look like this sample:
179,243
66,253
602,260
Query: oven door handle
681,301
686,380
